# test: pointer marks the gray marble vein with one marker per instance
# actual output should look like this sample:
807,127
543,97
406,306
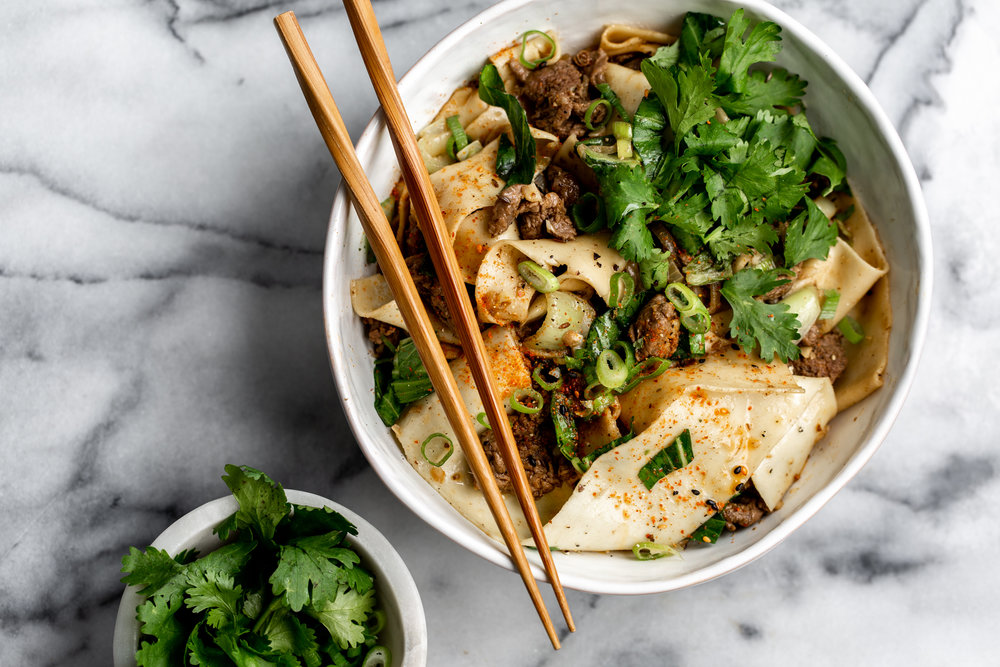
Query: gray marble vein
163,206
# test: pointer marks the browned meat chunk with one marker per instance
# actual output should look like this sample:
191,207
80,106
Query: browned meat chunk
656,330
827,358
592,63
379,333
505,209
428,285
550,215
535,438
554,96
563,184
745,510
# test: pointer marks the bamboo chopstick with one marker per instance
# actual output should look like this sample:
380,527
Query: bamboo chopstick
390,259
425,205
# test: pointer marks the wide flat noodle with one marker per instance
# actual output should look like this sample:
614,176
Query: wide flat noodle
372,298
504,297
629,85
617,39
732,429
454,479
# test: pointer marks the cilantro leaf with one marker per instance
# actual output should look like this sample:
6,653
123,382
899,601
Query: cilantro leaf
410,381
201,653
506,159
700,33
648,125
744,236
791,134
310,568
215,593
492,91
754,322
809,236
344,615
830,163
306,521
761,45
656,270
157,617
632,237
286,633
151,569
766,90
709,532
667,56
262,502
673,457
686,93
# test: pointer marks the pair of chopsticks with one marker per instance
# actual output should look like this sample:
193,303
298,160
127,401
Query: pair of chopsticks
390,259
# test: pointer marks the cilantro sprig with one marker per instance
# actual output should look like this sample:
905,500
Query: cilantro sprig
726,156
286,590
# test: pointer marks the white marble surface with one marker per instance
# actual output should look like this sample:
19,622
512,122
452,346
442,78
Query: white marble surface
163,204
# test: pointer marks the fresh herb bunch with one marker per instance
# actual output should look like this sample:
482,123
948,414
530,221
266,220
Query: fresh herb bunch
725,160
285,590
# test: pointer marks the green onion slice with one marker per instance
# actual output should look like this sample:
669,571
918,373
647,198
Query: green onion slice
616,104
611,370
682,297
622,289
481,418
375,622
588,115
627,354
851,329
517,404
652,550
532,64
697,344
623,133
673,457
697,322
638,373
588,213
831,299
378,656
458,139
449,448
545,384
539,278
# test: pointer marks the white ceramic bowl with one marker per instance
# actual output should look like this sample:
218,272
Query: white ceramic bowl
406,628
840,106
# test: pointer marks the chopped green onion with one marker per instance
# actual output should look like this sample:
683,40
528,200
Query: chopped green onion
603,140
458,139
831,299
375,622
378,656
544,384
804,305
616,104
673,457
652,550
449,448
709,531
469,150
622,289
565,425
623,133
532,64
588,115
696,342
611,370
539,278
588,213
638,373
698,322
682,297
593,390
627,354
481,418
525,392
851,329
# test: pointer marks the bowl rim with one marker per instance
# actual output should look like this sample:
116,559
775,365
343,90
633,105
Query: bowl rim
377,550
494,551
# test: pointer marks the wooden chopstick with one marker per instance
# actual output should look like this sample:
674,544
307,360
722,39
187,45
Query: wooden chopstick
390,259
425,205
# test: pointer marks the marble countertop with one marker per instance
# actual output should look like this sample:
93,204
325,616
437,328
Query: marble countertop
164,197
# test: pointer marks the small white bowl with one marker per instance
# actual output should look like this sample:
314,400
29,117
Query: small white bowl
840,106
406,628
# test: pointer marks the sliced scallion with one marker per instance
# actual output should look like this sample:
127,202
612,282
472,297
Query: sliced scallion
694,315
697,344
532,64
470,150
378,656
652,550
375,622
697,322
458,139
448,448
588,115
588,213
623,133
641,372
545,384
517,401
831,299
539,278
481,418
611,370
622,289
682,297
851,329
